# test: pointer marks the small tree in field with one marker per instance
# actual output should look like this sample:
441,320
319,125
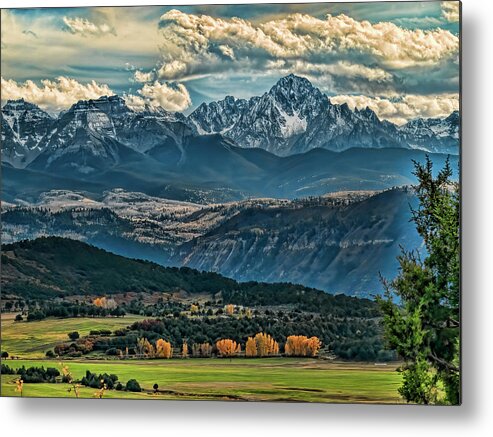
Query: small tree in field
422,324
73,335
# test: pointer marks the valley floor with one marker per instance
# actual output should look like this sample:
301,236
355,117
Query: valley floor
272,379
240,379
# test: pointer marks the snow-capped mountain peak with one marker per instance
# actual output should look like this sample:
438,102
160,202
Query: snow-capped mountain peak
24,125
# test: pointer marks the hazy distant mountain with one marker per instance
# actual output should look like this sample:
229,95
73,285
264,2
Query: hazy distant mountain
433,134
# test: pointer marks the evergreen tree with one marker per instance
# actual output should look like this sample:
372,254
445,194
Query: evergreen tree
421,306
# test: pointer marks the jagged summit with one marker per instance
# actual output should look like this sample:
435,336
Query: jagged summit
292,117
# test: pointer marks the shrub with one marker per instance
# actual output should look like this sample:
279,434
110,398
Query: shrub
6,370
119,386
50,354
133,385
19,318
73,335
5,354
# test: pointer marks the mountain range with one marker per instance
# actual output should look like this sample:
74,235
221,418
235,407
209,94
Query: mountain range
280,187
293,117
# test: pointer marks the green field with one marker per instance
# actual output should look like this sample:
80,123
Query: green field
33,339
273,379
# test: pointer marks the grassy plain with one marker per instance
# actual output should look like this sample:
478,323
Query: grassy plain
271,379
33,339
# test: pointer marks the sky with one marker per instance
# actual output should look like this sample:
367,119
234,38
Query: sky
399,58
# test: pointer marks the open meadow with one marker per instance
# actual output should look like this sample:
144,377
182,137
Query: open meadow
269,379
243,379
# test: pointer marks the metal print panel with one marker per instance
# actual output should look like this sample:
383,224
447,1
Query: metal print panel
246,202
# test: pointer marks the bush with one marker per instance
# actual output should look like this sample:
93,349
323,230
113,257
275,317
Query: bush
119,386
94,381
5,354
73,335
50,354
19,318
6,370
38,374
133,385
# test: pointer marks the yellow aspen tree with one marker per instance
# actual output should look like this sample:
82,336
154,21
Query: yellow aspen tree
313,346
194,309
302,346
184,350
163,349
229,309
228,348
251,347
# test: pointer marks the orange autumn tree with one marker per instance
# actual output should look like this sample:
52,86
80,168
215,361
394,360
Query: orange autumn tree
229,309
163,349
228,348
100,302
302,346
251,347
262,345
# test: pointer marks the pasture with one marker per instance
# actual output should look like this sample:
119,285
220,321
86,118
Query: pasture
269,379
33,339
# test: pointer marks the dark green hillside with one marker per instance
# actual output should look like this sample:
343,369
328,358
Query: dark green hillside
53,266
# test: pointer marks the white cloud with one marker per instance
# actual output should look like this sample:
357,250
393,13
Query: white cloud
172,97
84,27
450,10
141,76
401,109
340,68
53,95
172,69
195,42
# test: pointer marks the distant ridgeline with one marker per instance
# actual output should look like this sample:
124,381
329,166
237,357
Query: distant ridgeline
55,267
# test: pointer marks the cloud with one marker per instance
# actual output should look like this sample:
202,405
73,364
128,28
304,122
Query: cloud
84,27
196,42
340,68
401,109
53,95
451,11
141,76
172,97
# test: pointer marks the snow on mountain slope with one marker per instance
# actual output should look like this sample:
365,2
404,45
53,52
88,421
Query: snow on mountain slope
23,126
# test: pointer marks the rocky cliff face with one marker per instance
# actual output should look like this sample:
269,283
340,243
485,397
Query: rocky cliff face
337,249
